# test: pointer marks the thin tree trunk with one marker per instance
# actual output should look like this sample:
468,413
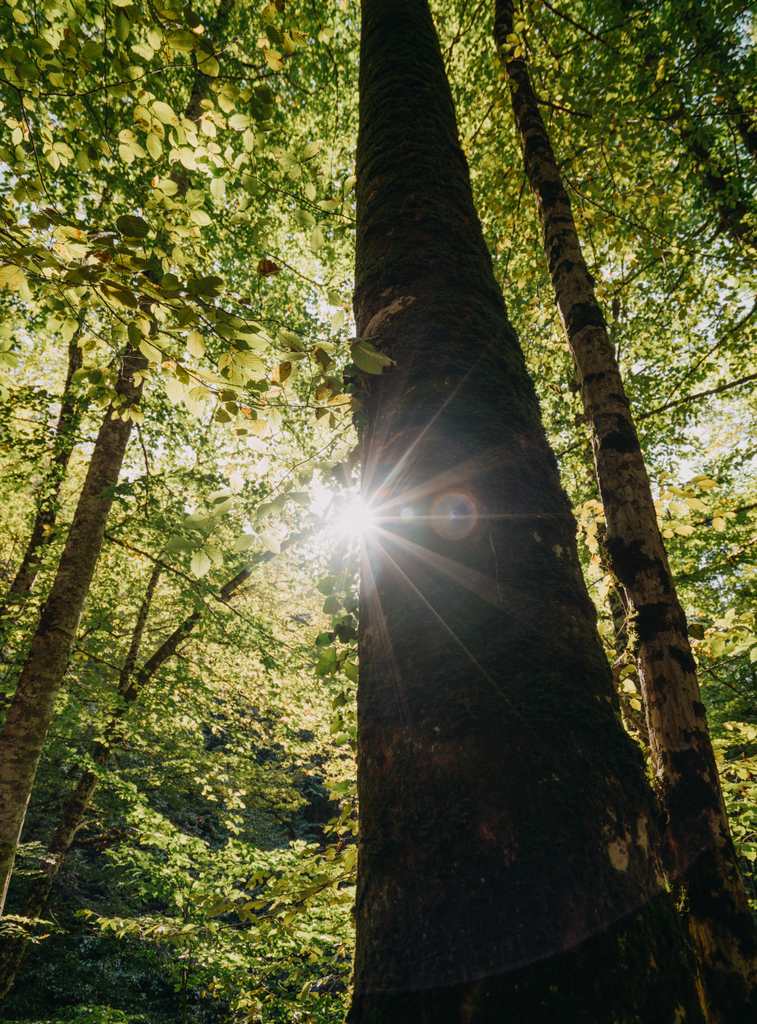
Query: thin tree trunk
129,688
44,521
507,866
31,709
73,815
698,853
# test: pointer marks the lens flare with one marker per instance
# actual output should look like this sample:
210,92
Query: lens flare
453,516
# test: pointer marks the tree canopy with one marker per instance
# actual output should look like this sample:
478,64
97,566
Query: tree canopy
178,191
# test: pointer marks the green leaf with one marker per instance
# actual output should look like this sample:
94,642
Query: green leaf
304,218
326,663
201,218
196,344
331,605
133,226
273,59
11,277
271,543
317,238
154,146
175,391
250,361
119,295
167,186
176,544
181,40
148,350
239,122
366,358
245,542
270,507
326,585
209,66
200,563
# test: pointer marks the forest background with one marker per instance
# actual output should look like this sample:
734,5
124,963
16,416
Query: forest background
177,186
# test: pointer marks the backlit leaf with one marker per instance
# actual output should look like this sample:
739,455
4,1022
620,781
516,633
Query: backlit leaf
200,563
367,358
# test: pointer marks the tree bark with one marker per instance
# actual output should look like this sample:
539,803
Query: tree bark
698,853
507,833
44,521
31,709
73,815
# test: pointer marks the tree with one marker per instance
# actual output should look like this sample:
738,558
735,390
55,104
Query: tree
31,710
483,873
44,521
173,152
698,854
99,288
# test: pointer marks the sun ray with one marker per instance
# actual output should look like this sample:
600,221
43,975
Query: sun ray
458,641
468,578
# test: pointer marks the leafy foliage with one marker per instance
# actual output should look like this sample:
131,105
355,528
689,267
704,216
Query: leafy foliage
178,180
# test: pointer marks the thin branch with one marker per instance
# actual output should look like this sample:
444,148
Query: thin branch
566,110
698,395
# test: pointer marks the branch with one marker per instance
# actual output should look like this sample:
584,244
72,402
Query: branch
699,394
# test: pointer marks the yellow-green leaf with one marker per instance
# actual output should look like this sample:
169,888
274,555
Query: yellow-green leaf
367,359
12,277
148,350
273,59
196,344
200,562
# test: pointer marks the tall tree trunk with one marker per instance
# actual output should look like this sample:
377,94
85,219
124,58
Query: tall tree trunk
73,815
507,833
698,853
31,709
44,521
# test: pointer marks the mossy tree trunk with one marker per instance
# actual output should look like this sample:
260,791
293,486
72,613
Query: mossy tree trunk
31,709
698,854
507,841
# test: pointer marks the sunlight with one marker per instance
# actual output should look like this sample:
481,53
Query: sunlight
353,519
